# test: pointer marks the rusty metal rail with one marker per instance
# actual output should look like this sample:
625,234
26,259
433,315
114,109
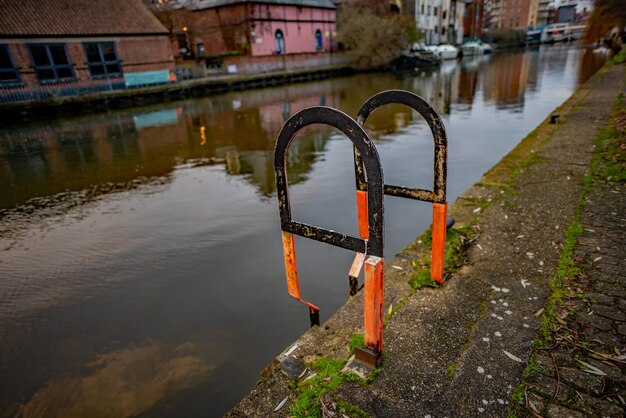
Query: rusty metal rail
371,247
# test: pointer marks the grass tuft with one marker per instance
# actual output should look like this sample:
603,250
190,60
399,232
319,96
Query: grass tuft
457,244
356,340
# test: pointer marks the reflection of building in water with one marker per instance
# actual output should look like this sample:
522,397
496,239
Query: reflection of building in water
439,88
245,137
38,162
506,79
468,84
551,58
41,162
533,73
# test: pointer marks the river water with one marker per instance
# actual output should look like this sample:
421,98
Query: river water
141,269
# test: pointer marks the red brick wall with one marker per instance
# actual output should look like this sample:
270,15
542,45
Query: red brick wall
22,61
135,54
145,53
473,19
221,30
514,14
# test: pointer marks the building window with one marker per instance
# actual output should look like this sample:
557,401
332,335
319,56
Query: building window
184,47
102,59
445,12
51,62
200,49
435,11
280,42
422,9
319,42
428,11
8,72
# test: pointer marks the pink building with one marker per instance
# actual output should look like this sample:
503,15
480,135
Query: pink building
291,28
255,27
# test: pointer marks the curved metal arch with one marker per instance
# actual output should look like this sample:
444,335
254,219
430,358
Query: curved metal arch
373,245
438,194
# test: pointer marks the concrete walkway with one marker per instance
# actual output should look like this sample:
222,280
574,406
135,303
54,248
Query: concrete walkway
462,349
581,370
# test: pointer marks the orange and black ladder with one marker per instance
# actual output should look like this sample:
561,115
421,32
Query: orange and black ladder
369,246
437,196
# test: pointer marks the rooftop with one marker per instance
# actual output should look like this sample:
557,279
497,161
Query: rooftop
34,18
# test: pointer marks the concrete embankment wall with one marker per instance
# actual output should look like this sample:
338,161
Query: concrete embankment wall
245,64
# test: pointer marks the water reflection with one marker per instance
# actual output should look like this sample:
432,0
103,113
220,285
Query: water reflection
123,383
42,161
151,229
239,130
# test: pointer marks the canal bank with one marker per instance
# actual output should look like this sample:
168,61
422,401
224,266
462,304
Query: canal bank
462,349
124,211
55,107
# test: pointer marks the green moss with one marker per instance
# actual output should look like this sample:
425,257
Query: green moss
613,149
422,279
329,378
566,269
356,340
519,393
531,159
457,243
450,371
350,410
309,393
619,58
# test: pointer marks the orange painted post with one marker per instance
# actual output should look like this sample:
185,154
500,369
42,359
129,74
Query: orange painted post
289,250
374,300
438,241
361,206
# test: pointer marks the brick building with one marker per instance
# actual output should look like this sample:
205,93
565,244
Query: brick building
474,19
81,43
514,14
251,27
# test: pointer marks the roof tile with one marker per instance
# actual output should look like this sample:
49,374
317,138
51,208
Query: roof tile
76,17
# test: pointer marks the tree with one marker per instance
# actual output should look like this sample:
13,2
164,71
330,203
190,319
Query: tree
372,34
606,15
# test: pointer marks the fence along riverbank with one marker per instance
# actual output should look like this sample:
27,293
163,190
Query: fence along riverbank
58,100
